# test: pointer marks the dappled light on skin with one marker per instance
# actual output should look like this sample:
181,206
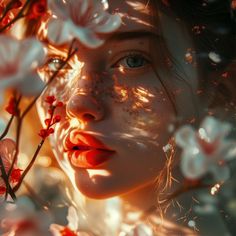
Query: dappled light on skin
93,173
136,19
139,6
141,95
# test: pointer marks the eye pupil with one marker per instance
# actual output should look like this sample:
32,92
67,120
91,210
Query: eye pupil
135,61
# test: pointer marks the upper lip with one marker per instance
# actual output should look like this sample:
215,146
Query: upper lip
77,140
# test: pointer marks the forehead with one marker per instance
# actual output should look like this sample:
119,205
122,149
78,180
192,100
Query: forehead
136,15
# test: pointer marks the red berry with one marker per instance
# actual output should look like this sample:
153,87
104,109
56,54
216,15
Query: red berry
43,133
57,119
60,104
50,131
50,99
47,122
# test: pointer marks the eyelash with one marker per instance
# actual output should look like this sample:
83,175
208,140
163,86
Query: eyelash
60,60
132,55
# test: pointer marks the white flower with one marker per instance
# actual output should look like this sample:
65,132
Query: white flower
206,150
71,228
141,230
19,60
21,219
80,19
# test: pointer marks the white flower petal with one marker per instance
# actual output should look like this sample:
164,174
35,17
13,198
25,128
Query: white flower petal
185,136
73,219
8,51
55,229
220,173
32,85
214,128
59,32
59,8
193,164
111,24
227,150
31,54
87,37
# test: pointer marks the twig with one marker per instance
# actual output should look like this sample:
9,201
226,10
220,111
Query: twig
5,132
5,178
17,186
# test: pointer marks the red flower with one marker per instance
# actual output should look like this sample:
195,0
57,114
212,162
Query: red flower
11,107
56,119
67,232
50,99
15,175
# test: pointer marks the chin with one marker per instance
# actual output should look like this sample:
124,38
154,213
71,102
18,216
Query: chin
98,186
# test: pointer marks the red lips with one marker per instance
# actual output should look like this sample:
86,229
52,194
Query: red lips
86,151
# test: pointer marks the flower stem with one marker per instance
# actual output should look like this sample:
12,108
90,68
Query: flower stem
17,186
5,132
5,178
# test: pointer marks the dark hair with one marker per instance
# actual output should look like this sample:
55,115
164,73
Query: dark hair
211,27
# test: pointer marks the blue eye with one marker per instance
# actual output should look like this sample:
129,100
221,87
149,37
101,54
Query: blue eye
55,64
132,61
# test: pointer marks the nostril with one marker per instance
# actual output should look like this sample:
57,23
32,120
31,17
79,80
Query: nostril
88,117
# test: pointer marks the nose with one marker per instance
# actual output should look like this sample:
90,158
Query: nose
83,104
84,107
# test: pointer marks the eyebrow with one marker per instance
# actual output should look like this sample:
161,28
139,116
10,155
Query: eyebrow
126,35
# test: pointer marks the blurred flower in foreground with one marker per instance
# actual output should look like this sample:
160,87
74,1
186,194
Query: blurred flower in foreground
71,229
23,220
206,150
7,151
82,20
19,60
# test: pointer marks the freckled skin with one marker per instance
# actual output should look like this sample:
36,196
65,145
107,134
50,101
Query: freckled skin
131,109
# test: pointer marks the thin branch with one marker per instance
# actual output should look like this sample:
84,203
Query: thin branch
5,179
17,186
5,132
18,130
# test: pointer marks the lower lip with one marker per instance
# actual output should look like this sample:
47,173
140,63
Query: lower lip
89,158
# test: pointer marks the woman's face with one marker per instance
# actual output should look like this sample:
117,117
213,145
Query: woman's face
116,116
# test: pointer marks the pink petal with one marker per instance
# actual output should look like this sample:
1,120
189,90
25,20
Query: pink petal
7,151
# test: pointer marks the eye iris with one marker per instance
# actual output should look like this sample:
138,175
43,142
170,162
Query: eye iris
55,64
135,61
